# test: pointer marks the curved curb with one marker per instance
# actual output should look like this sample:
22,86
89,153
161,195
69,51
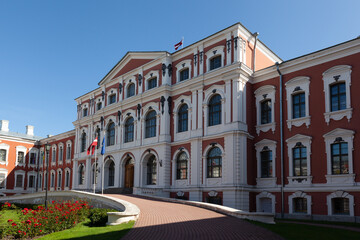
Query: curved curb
254,216
127,211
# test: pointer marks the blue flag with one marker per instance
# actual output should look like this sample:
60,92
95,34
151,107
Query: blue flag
103,147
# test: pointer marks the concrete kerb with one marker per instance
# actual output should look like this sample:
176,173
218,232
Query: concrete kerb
254,216
127,211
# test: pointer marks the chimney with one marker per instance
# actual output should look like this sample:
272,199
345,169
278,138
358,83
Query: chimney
4,125
30,130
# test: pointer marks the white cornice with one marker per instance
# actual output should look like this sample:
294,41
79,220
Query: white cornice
310,60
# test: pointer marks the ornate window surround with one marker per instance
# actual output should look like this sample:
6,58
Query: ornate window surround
150,75
20,149
271,181
213,181
291,142
262,93
36,152
32,173
19,172
265,194
180,182
340,194
215,51
5,147
177,104
181,66
329,138
299,194
209,93
297,85
127,82
110,93
340,73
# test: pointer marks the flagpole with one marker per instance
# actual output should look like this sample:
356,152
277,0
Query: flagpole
103,163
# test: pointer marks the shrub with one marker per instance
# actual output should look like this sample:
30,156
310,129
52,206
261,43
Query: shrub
98,216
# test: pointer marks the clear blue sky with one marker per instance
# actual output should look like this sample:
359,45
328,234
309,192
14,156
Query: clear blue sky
54,51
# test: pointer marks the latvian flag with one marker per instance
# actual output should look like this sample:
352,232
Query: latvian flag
92,147
178,44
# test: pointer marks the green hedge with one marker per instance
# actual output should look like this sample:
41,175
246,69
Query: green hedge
98,216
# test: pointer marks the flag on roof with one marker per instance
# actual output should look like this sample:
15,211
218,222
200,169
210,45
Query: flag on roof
179,44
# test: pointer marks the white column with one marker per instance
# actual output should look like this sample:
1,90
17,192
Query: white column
194,110
166,79
228,102
200,109
228,48
195,62
237,46
205,111
201,60
140,87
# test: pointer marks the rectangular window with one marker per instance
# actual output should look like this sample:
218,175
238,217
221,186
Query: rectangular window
184,74
85,112
300,205
152,83
31,181
340,206
52,180
67,179
266,163
337,97
215,62
112,98
21,157
299,158
339,158
19,181
298,102
53,156
2,155
266,111
98,106
2,180
32,158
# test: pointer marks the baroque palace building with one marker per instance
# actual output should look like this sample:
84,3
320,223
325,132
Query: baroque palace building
223,120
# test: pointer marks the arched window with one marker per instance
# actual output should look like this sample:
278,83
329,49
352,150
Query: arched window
83,142
111,174
110,134
340,206
151,171
150,124
181,166
130,90
81,174
215,62
52,184
215,110
129,130
214,163
59,180
67,178
184,74
183,118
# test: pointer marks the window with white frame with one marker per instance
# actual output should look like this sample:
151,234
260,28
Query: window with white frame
112,98
68,150
130,90
151,83
20,155
31,180
32,158
98,105
83,142
3,175
339,148
214,109
52,179
67,178
299,151
110,133
265,102
340,203
59,179
129,130
300,203
151,80
19,179
3,156
183,120
40,181
150,124
85,112
265,154
61,153
81,174
41,158
215,58
297,96
183,70
337,82
53,156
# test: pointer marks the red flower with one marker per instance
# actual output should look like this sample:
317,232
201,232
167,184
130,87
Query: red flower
10,220
40,230
13,224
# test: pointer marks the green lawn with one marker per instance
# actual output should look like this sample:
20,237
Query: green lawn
7,214
294,231
83,231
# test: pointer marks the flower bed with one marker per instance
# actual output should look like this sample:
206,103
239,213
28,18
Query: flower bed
34,222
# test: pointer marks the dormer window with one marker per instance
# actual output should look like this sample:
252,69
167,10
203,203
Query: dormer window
112,98
152,83
184,74
215,62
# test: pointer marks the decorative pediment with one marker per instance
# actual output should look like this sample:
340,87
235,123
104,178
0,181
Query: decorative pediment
131,61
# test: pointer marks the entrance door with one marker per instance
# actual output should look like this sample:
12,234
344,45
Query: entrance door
129,174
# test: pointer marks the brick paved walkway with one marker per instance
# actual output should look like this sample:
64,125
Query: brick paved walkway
165,220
